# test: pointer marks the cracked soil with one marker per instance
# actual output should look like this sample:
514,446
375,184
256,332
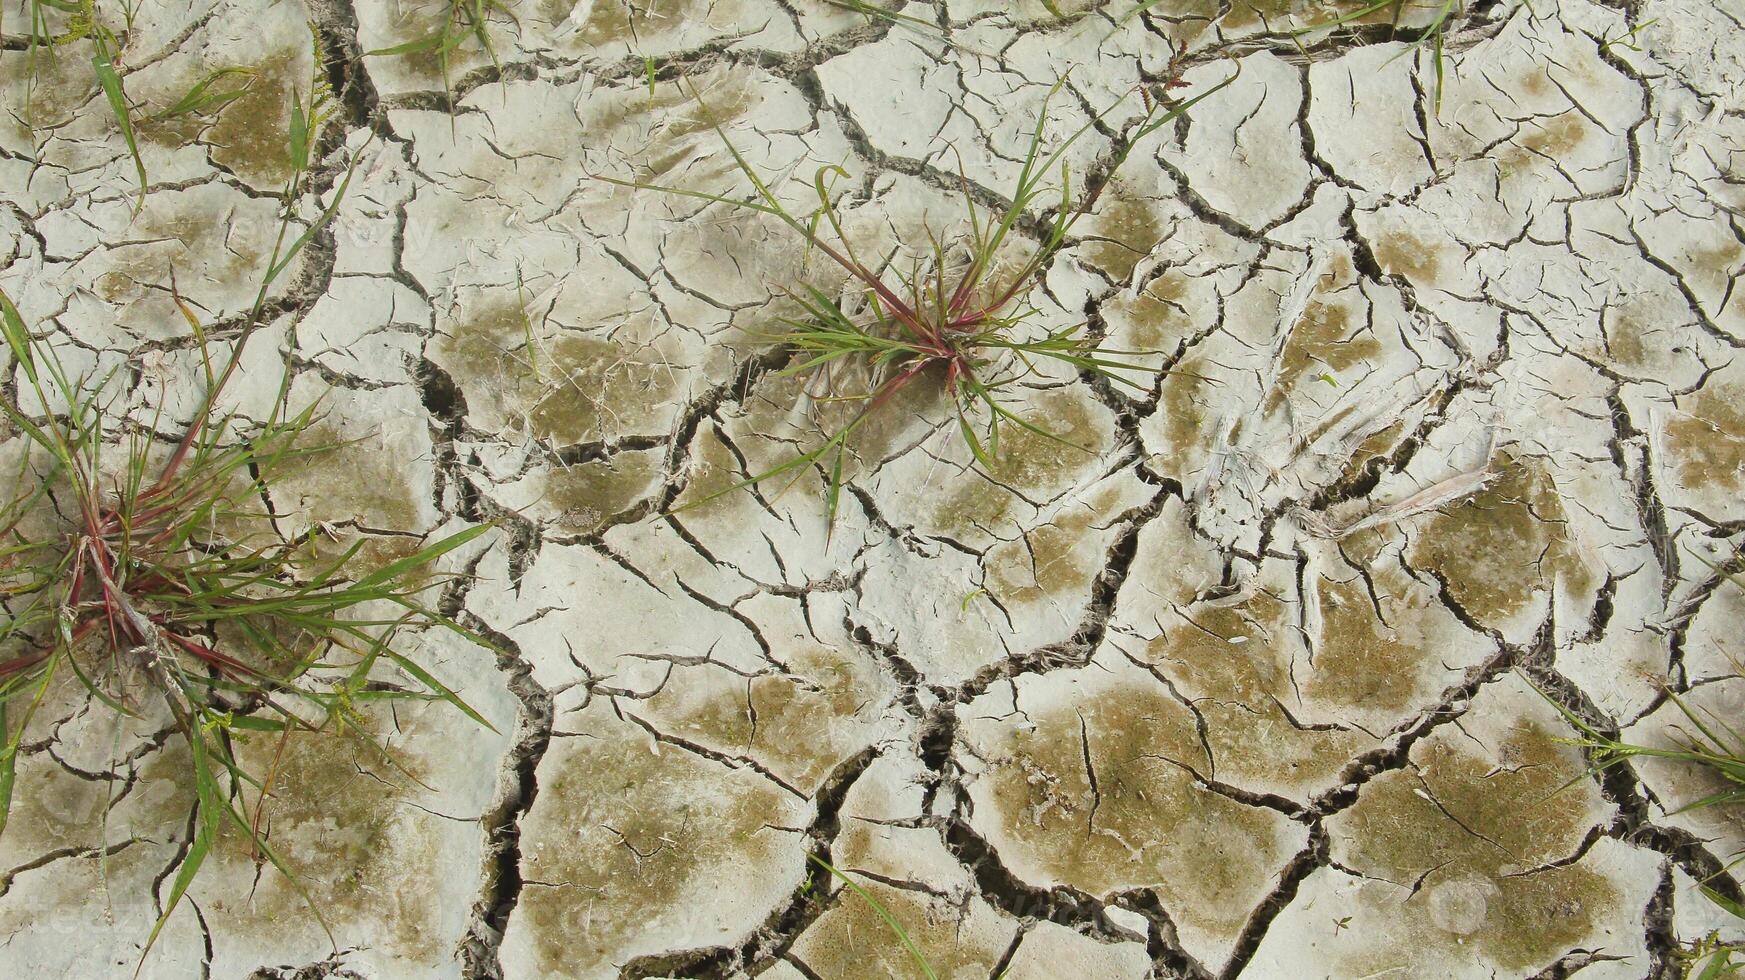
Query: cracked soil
1449,413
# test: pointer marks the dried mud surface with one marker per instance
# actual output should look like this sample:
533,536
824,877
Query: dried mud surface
1449,415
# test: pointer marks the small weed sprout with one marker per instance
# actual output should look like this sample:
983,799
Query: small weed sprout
959,317
1431,33
133,569
1628,39
461,20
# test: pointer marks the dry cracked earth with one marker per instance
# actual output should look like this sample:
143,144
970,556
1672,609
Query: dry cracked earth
1447,413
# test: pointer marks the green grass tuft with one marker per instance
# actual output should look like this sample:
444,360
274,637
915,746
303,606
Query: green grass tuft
960,317
148,573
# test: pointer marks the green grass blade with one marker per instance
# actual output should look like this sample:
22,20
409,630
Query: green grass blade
883,913
698,195
207,805
424,556
1690,714
18,339
196,99
1176,111
110,80
1031,427
1718,966
251,723
8,771
314,229
786,466
1436,54
1374,7
970,440
438,42
9,754
833,493
1713,799
881,13
1724,903
429,681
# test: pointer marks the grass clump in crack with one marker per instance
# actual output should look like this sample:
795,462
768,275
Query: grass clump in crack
1704,740
961,317
150,572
